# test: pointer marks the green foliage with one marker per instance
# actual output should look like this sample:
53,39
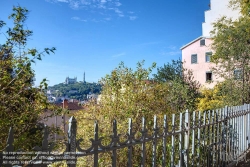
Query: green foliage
20,103
231,42
170,72
243,5
183,89
211,99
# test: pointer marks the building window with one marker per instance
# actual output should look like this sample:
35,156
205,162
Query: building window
193,58
208,56
208,76
237,74
202,42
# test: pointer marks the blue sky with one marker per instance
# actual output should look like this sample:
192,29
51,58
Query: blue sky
96,35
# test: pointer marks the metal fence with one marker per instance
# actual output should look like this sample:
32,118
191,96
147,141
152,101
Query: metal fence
211,138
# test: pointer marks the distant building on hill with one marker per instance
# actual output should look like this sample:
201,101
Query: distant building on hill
70,80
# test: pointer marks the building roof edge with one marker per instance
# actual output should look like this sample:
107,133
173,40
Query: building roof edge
200,37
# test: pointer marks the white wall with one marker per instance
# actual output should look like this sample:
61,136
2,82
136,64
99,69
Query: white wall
218,9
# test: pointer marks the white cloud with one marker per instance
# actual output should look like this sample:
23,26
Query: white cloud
107,18
132,17
119,12
103,1
118,4
172,47
75,18
66,1
74,4
170,53
78,19
119,55
96,5
130,12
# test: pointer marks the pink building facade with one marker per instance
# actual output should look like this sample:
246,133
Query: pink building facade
196,54
196,57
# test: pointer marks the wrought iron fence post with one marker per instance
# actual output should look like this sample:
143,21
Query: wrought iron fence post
72,142
130,141
155,135
10,147
165,133
181,151
209,156
224,137
186,141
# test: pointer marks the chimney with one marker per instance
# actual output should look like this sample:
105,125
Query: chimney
65,103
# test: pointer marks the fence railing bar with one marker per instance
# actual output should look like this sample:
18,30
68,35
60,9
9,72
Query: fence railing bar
193,139
115,139
199,139
248,124
95,143
72,140
203,137
186,141
130,139
173,142
164,142
217,139
156,131
238,130
208,149
143,147
180,142
213,139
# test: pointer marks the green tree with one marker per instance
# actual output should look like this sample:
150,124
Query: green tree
183,89
126,93
21,104
231,43
213,98
243,5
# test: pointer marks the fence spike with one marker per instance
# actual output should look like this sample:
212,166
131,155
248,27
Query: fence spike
114,128
155,122
10,141
130,126
96,131
45,139
143,123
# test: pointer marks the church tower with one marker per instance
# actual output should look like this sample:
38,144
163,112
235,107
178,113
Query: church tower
84,77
